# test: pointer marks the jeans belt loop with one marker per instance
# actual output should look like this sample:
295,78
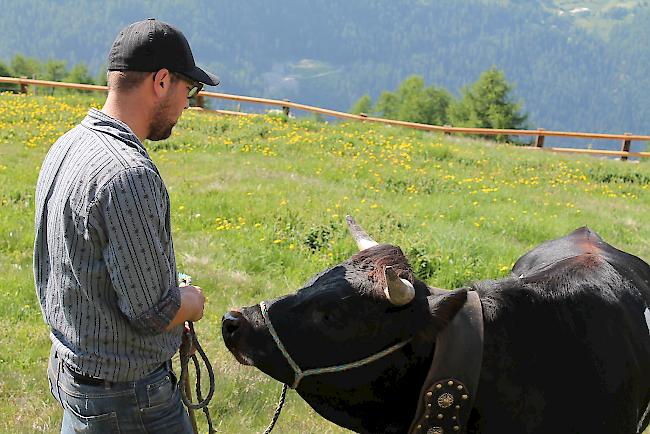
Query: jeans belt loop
59,368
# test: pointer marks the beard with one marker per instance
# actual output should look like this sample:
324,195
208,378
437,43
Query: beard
161,124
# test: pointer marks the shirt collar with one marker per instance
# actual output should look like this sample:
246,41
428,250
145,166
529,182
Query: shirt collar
100,121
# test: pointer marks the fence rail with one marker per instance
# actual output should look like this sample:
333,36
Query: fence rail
539,134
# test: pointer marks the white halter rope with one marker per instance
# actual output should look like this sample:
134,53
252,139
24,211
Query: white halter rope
299,374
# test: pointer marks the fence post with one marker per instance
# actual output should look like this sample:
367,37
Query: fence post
200,101
447,133
625,147
23,87
285,108
539,141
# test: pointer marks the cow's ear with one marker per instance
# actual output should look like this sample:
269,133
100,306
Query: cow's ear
444,305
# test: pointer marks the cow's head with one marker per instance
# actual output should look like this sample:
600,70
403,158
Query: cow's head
344,315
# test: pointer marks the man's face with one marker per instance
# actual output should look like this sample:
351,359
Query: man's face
170,109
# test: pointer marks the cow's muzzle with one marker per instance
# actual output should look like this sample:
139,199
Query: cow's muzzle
233,328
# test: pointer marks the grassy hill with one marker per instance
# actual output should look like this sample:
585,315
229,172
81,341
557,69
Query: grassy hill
258,208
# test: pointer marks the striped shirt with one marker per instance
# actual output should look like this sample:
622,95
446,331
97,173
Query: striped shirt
104,265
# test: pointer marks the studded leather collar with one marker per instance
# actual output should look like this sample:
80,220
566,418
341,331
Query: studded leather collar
448,393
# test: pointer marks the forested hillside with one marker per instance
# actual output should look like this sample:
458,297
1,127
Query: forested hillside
568,73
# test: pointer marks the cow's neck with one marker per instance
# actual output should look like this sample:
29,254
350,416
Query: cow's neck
450,387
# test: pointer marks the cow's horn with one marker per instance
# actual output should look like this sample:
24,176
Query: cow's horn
360,236
398,291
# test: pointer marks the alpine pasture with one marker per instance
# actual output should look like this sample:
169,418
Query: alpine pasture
258,207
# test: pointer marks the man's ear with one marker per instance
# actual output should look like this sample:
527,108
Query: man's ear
162,82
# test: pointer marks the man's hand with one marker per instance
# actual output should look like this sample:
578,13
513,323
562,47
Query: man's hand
194,301
192,304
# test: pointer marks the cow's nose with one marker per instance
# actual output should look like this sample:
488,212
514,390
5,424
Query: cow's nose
230,323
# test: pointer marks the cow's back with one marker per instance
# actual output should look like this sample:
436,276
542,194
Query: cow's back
580,243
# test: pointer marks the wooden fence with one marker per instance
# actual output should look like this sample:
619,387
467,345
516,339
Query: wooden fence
540,134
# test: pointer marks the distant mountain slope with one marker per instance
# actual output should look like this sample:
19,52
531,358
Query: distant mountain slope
330,52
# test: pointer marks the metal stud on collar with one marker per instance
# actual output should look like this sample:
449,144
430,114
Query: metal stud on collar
444,403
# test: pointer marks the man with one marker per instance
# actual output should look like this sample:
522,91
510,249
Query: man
104,264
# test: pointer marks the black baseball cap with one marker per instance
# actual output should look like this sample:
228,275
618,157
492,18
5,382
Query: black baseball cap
151,45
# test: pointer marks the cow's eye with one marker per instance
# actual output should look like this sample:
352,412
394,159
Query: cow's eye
327,318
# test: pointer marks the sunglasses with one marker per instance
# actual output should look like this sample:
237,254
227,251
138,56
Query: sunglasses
195,86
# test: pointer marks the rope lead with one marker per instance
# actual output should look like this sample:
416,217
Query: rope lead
185,358
276,415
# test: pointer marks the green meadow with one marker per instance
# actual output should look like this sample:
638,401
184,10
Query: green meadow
259,205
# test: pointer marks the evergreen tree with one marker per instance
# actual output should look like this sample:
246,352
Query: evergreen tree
363,105
488,104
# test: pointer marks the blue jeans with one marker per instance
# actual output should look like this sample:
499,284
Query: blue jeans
149,405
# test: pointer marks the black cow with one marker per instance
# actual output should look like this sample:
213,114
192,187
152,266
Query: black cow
566,341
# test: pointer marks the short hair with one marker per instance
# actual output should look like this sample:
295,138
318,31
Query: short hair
125,81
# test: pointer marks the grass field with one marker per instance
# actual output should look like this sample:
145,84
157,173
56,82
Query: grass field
259,206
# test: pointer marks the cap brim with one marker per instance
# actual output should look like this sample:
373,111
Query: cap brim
202,76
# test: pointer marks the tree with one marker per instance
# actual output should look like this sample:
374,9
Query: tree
387,105
415,103
363,105
488,104
23,66
436,105
79,74
424,105
5,71
101,78
55,70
